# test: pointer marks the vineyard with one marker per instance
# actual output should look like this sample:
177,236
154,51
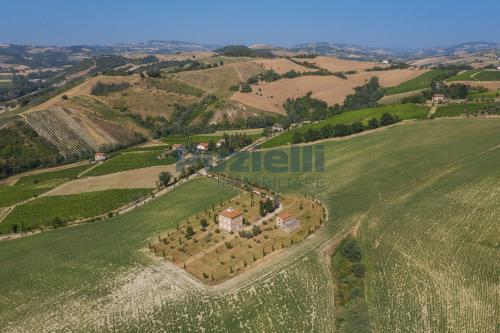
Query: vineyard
74,133
57,127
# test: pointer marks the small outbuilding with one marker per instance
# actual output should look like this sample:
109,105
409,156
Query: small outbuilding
203,146
438,99
286,223
277,128
98,157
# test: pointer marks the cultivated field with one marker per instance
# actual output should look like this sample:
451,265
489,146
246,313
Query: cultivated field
138,178
43,210
330,89
218,80
339,65
129,161
476,75
404,111
422,81
431,267
281,65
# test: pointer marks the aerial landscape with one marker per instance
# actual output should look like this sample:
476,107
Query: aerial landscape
196,167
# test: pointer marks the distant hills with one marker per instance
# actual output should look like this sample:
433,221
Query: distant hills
36,56
357,51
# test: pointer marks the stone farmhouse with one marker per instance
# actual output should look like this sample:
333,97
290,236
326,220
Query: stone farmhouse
230,220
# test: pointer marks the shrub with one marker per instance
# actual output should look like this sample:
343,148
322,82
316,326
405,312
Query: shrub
189,232
351,250
256,230
246,88
358,269
204,223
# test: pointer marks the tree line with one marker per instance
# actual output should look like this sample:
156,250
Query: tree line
339,130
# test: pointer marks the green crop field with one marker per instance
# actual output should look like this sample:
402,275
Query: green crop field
12,194
421,82
456,110
41,211
404,111
88,260
477,75
426,224
208,137
487,94
68,173
129,161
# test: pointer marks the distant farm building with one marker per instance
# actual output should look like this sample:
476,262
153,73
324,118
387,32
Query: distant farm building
220,143
438,99
286,223
98,157
203,146
230,220
277,128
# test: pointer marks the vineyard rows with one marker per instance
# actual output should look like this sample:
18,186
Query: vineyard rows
56,126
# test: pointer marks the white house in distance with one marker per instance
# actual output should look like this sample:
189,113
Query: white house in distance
438,99
220,143
277,128
202,146
98,157
285,222
230,220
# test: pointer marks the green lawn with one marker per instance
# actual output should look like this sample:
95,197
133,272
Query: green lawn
477,75
41,211
456,110
129,161
421,82
404,111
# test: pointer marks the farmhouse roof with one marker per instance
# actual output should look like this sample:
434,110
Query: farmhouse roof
98,154
284,216
231,213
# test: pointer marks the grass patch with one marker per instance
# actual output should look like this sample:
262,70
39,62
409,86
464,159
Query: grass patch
129,161
404,111
42,211
421,82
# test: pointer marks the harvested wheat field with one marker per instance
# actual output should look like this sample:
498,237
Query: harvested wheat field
138,178
218,80
330,89
86,87
281,65
339,65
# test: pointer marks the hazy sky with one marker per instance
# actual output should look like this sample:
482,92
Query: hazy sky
385,23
